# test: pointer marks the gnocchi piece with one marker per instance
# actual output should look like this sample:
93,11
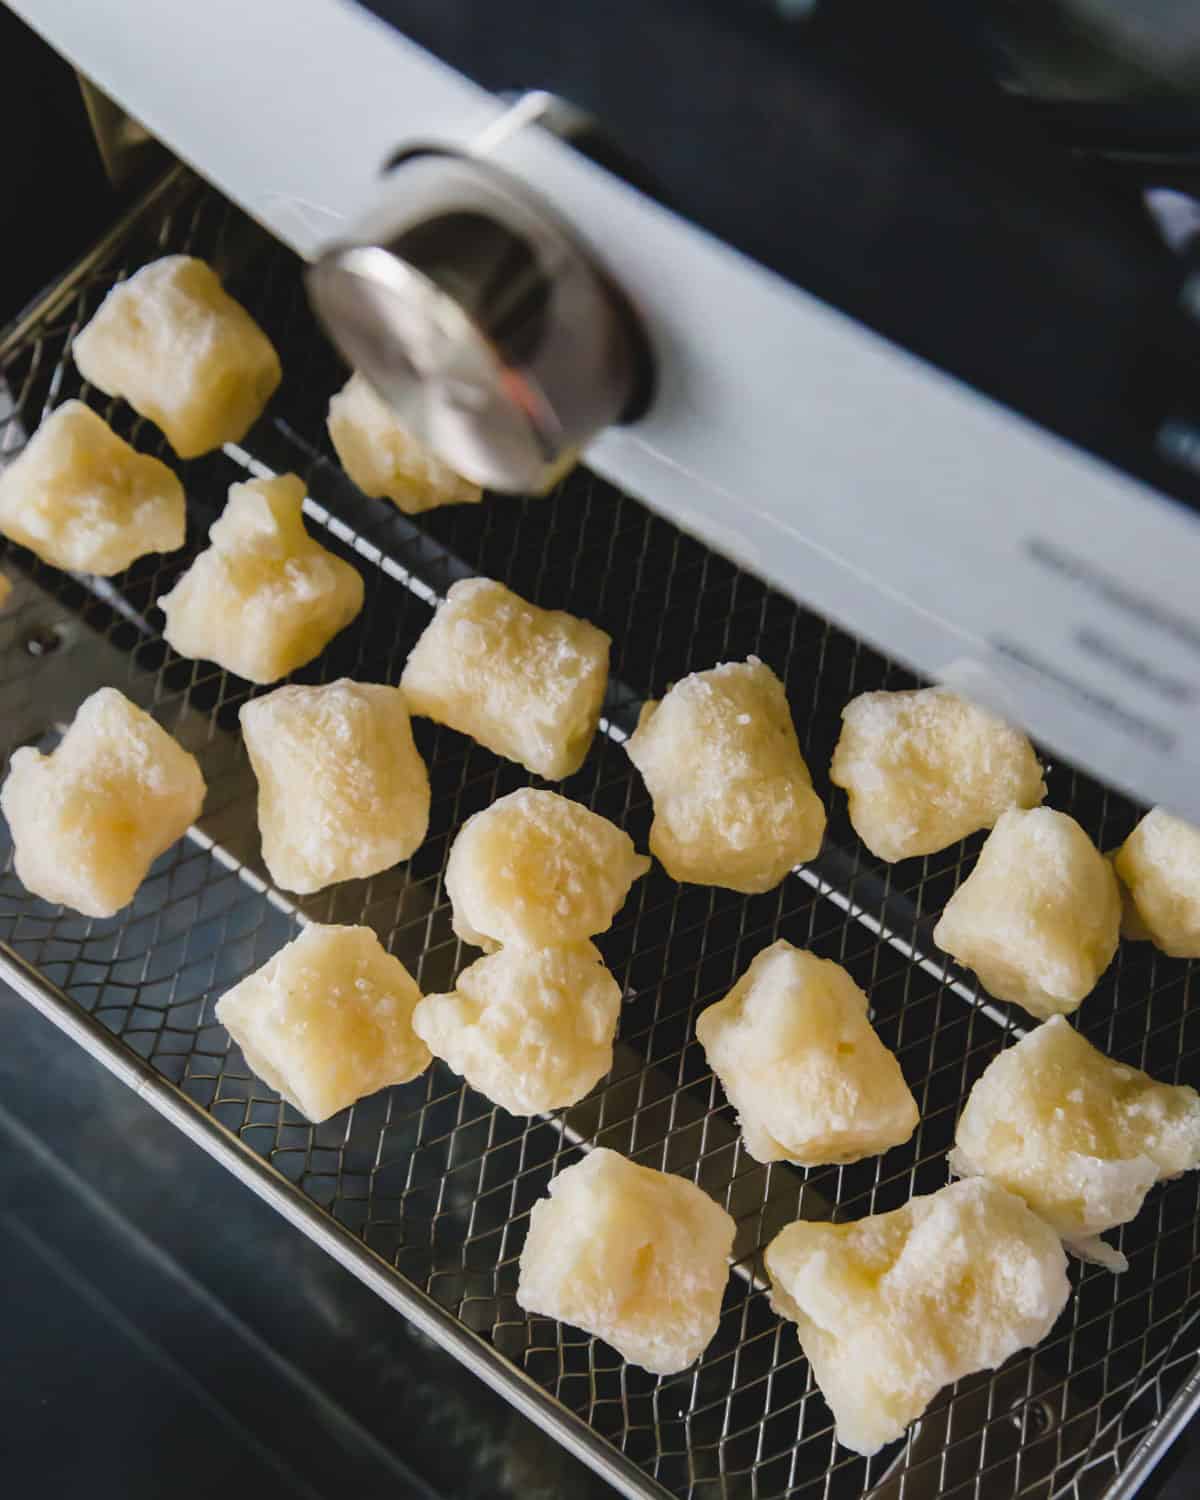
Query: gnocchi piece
525,682
893,1307
924,769
1039,916
89,819
1159,866
538,869
1081,1138
81,498
384,460
634,1256
174,344
532,1028
327,1020
342,790
796,1054
734,804
265,597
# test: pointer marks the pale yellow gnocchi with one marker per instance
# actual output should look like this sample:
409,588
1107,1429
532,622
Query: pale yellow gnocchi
525,682
1039,916
924,769
342,790
174,344
327,1020
81,498
385,460
265,597
734,804
538,869
635,1256
89,819
1081,1138
532,1028
794,1050
893,1307
1159,867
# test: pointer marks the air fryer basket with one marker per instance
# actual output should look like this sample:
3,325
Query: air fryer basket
424,1190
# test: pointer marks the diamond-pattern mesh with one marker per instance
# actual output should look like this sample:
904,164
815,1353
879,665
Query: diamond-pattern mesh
430,1176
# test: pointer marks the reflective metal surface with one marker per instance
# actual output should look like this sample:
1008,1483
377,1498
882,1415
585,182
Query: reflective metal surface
481,321
424,1191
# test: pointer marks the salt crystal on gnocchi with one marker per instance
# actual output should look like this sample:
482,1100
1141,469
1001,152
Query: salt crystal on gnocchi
385,460
82,499
637,1257
924,769
525,682
89,819
342,790
1039,916
174,344
734,804
796,1054
327,1020
265,597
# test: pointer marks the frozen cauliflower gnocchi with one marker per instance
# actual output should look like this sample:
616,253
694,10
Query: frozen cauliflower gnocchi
1081,1138
538,869
634,1256
894,1307
1039,916
175,345
385,460
264,598
1159,866
327,1020
924,769
734,804
342,790
81,498
532,1028
525,682
795,1052
89,819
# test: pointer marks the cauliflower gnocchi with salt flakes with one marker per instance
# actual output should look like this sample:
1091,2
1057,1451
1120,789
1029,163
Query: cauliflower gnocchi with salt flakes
891,1308
89,819
734,804
82,499
525,682
637,1257
264,598
538,869
924,769
1159,867
532,1028
1039,916
801,1064
327,1020
174,344
384,460
1080,1138
342,790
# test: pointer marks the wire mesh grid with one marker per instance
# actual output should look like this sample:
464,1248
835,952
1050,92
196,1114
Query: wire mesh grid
430,1177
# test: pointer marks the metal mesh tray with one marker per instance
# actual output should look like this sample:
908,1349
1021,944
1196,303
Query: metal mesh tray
424,1190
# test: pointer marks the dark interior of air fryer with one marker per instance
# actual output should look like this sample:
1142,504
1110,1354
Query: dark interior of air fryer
432,1178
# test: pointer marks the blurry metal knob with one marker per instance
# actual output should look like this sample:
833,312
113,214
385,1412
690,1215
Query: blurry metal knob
479,319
